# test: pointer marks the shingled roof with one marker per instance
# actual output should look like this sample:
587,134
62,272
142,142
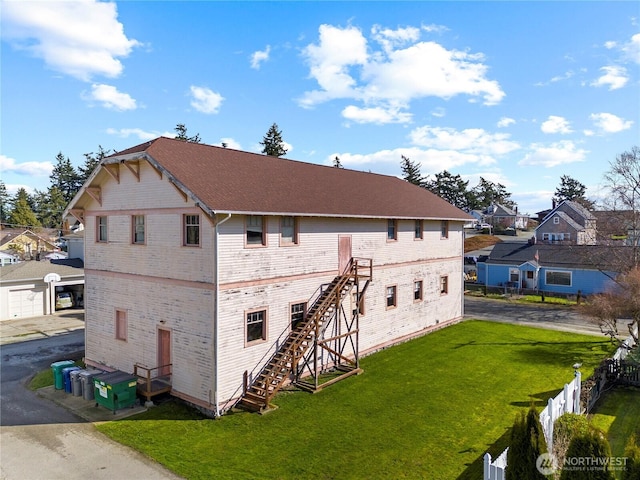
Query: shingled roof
232,181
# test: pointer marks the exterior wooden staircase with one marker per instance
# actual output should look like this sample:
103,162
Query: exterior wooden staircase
284,362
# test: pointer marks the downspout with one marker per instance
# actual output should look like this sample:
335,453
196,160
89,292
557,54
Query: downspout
216,312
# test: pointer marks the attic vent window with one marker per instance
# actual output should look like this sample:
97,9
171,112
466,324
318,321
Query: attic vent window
556,220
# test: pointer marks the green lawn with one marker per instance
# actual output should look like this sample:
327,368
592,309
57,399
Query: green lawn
429,408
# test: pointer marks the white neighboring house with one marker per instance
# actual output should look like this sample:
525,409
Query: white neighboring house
24,292
197,258
7,259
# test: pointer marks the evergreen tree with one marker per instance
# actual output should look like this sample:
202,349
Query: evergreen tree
49,207
273,143
572,189
337,163
527,443
4,203
591,446
450,188
91,161
22,215
181,131
632,453
488,193
411,171
65,177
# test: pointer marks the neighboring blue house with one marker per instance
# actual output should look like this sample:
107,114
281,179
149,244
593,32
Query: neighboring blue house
562,269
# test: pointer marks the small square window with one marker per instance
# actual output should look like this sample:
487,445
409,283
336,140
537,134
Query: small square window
255,230
288,230
121,325
191,230
444,285
256,326
556,220
392,299
101,234
392,229
298,311
137,224
417,230
417,290
444,229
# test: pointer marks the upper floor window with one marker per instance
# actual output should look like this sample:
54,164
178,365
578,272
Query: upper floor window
191,230
298,311
417,290
444,285
255,230
556,220
137,227
256,326
288,230
417,230
444,229
392,297
101,234
392,229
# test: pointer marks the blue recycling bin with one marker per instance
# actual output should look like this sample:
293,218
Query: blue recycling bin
66,375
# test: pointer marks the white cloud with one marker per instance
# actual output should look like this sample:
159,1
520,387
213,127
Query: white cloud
205,100
555,124
77,38
137,132
433,28
438,112
230,143
29,169
345,65
258,57
559,153
609,123
472,140
109,97
614,76
377,115
632,48
505,122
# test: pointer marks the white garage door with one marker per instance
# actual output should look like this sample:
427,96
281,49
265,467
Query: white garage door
26,303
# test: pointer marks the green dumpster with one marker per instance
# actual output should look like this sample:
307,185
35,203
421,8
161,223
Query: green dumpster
115,390
56,367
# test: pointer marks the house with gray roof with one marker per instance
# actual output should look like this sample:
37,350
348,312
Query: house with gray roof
569,223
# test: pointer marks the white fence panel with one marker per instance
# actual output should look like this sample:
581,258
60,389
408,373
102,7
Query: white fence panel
623,351
495,470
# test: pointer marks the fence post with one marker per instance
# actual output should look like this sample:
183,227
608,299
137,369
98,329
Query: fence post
551,421
576,395
487,466
566,407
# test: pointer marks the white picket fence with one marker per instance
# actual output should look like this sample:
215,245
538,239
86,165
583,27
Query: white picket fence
567,401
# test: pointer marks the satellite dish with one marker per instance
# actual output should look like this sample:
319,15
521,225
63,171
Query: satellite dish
51,277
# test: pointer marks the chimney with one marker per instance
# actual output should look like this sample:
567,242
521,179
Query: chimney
553,203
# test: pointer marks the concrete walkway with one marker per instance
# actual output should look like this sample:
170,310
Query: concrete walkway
23,329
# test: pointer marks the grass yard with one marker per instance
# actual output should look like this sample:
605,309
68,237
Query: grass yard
429,408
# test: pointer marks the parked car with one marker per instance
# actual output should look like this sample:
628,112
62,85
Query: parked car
482,226
64,300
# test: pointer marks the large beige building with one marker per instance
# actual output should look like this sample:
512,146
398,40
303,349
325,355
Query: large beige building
203,258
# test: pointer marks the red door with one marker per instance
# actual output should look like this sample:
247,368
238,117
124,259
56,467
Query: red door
344,252
164,352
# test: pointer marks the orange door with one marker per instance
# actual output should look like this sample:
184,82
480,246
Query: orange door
344,251
164,351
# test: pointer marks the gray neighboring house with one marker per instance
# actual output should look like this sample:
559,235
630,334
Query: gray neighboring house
25,292
568,224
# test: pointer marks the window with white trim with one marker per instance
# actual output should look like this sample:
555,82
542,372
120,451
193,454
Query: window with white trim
444,229
288,230
392,297
256,326
191,230
255,231
417,291
392,230
418,230
137,227
101,225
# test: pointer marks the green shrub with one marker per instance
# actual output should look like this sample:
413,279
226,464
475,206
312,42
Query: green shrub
564,429
590,445
632,452
527,443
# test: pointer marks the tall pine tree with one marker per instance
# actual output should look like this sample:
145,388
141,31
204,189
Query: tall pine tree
65,177
273,143
22,215
411,171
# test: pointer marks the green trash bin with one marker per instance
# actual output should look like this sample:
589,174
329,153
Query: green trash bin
115,390
56,367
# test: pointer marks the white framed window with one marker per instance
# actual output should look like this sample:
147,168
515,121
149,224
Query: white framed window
255,326
418,230
255,231
101,226
392,296
191,233
137,228
557,277
444,229
289,231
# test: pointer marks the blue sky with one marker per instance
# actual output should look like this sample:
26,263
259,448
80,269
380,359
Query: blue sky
519,93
